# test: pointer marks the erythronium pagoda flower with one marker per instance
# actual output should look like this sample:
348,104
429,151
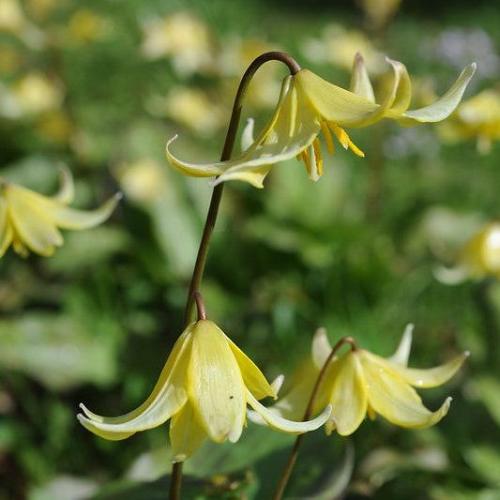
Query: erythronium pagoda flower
359,383
30,221
204,389
309,106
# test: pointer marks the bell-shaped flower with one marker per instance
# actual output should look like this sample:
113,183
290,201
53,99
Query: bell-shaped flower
308,107
204,389
31,221
360,383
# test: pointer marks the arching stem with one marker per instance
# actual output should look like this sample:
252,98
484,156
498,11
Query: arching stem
213,209
292,458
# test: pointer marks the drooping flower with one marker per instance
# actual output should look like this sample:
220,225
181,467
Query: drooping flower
30,221
479,118
204,389
360,383
309,106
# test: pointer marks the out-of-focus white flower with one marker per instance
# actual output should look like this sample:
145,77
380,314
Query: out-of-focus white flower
182,37
339,46
142,180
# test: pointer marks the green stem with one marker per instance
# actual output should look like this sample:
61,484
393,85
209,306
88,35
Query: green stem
292,458
213,209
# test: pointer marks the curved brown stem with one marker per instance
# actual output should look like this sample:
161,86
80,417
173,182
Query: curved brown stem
292,458
200,306
213,209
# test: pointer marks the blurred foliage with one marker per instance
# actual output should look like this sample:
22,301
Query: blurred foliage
100,87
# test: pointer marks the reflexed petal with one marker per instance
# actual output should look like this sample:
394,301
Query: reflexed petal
348,394
360,81
186,433
321,347
282,424
216,388
167,398
402,353
402,95
70,218
334,103
66,192
251,157
253,378
32,225
444,106
431,377
392,397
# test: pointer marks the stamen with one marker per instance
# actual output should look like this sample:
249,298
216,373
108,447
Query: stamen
341,134
319,157
355,149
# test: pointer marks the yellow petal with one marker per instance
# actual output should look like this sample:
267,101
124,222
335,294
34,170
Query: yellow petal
401,94
431,377
402,353
6,232
332,102
348,394
70,218
167,397
186,433
392,397
66,192
253,156
32,225
253,378
215,384
273,419
360,81
444,106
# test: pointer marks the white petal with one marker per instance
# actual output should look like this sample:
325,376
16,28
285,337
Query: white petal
321,347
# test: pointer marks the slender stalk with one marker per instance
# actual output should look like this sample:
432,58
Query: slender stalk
292,458
213,210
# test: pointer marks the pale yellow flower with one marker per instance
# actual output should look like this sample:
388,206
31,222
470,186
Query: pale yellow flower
30,221
479,118
182,37
193,109
36,93
309,106
359,383
86,26
338,46
142,181
480,256
204,389
379,12
11,16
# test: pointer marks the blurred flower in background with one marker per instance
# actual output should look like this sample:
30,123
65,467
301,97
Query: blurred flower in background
477,118
379,12
183,38
86,26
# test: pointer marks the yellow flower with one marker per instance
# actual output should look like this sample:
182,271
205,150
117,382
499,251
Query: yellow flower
36,93
181,36
360,383
30,221
309,106
477,117
480,256
204,389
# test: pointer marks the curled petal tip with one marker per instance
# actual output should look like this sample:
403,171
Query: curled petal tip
358,58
